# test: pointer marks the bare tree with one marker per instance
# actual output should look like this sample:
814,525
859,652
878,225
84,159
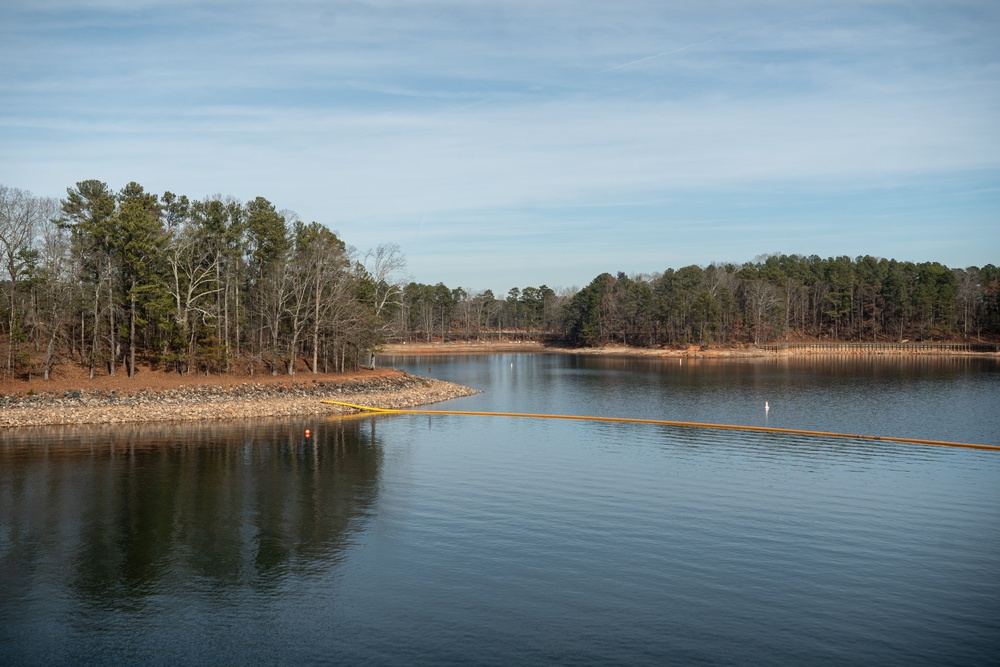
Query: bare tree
969,293
381,276
21,213
275,292
57,286
763,302
332,298
317,285
194,276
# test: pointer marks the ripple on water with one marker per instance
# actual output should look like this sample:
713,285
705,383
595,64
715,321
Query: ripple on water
438,539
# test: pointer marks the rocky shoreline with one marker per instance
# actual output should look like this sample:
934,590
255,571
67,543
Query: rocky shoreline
215,402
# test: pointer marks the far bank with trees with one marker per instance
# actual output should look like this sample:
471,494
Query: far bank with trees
773,298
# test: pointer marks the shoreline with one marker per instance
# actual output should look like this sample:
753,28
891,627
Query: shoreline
157,397
693,351
235,401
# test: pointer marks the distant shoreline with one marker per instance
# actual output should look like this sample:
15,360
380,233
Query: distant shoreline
694,351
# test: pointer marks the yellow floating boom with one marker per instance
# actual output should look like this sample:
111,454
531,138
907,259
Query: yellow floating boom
664,422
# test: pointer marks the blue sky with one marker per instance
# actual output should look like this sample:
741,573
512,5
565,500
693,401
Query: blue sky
528,142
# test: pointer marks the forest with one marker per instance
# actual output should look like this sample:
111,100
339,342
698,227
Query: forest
116,280
773,298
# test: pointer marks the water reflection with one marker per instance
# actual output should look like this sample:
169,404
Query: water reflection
457,540
927,397
120,515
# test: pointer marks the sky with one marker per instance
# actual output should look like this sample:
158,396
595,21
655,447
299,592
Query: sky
514,143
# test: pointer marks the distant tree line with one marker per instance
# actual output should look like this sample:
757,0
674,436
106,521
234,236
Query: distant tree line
110,280
436,312
772,298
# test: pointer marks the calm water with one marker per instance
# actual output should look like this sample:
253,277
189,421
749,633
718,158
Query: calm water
442,539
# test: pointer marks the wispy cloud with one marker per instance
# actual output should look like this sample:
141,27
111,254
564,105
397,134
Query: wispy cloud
369,115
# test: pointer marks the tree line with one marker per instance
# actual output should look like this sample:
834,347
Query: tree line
111,279
436,312
772,298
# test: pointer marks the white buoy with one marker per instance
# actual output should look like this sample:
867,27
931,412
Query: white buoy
766,407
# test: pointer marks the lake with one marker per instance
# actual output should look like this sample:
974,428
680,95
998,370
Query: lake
444,539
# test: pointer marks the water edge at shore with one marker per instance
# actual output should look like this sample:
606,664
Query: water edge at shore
692,351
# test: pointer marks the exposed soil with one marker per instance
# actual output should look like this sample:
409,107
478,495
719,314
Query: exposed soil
73,376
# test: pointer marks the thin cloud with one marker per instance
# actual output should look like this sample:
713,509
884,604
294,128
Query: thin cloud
368,115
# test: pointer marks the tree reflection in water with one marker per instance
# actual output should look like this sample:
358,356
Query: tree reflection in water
117,515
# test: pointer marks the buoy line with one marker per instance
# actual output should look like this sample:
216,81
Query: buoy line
664,422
